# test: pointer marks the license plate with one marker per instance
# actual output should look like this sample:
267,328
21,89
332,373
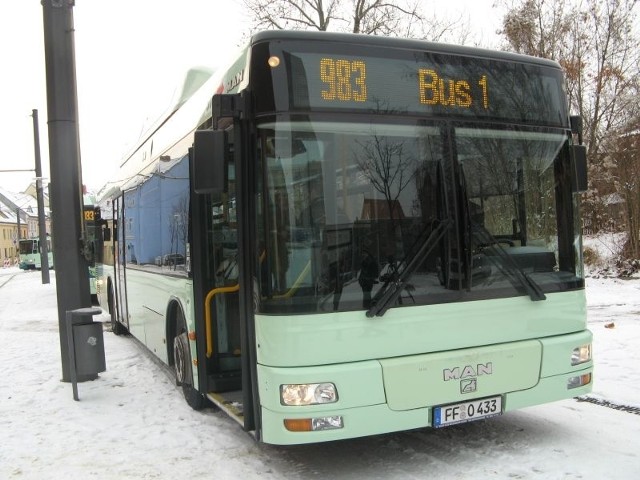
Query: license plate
467,411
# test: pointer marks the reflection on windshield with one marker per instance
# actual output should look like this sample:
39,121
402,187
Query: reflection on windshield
342,208
511,182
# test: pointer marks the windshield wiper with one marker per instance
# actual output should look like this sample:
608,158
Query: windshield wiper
508,264
393,287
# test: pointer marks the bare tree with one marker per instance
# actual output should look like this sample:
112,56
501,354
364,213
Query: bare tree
386,165
293,14
390,168
380,17
537,27
373,17
625,154
596,44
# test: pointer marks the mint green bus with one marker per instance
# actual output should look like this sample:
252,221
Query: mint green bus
343,235
29,254
92,240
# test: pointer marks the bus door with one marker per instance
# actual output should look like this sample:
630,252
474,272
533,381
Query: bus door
216,276
225,276
120,260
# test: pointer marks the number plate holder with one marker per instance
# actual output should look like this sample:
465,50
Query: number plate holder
463,412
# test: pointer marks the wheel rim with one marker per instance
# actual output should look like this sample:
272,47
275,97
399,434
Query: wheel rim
179,358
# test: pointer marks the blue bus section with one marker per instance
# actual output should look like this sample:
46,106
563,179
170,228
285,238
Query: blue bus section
156,218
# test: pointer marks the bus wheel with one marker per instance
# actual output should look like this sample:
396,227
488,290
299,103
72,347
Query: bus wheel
182,366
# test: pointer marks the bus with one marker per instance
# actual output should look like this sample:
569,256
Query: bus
342,235
92,227
29,253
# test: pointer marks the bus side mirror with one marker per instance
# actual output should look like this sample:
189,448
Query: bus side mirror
106,234
579,177
576,125
209,152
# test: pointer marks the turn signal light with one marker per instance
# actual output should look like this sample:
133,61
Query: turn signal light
313,424
575,382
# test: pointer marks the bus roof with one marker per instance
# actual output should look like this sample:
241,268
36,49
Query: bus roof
195,79
200,84
403,43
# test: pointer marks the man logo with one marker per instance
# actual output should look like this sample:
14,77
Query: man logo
468,371
468,386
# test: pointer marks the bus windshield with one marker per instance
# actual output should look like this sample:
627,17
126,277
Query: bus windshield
28,246
343,208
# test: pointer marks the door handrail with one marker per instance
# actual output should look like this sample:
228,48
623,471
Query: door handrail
207,312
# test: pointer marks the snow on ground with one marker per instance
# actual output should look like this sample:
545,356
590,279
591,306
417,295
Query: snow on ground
132,423
607,246
614,319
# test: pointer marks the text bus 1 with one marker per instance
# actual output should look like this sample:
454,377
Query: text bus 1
369,235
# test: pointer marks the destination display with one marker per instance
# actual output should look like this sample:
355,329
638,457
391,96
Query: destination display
427,83
91,214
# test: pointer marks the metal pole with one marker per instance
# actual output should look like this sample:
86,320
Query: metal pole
19,237
42,224
72,271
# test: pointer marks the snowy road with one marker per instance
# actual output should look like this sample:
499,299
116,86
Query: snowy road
133,423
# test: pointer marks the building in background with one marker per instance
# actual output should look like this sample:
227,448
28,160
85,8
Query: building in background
18,220
9,237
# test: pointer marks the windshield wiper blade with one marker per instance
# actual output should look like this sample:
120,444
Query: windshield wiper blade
508,264
389,293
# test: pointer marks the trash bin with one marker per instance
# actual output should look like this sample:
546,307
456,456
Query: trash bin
86,346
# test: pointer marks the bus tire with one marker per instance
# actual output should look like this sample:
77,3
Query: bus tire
182,365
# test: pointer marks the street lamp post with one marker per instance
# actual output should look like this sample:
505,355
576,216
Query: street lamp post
42,224
65,190
18,236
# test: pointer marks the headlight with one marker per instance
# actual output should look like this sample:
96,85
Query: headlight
581,354
308,394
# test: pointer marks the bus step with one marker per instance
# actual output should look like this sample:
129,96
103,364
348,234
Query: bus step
224,382
230,403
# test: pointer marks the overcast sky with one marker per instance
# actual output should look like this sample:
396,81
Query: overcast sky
130,56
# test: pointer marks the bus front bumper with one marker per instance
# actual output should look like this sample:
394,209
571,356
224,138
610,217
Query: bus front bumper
364,406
